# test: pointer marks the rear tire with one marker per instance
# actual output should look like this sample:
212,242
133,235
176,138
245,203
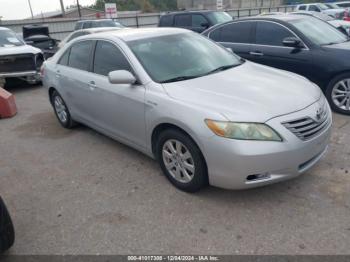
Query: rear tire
338,94
7,232
181,161
62,111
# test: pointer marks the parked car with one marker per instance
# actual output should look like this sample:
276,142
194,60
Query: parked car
85,24
17,59
345,5
341,25
197,21
39,37
7,232
83,32
301,44
321,7
203,112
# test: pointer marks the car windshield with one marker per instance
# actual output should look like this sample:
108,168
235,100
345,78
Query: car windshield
9,38
323,6
178,57
219,17
319,32
106,23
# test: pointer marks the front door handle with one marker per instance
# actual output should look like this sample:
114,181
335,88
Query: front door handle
58,74
92,85
256,53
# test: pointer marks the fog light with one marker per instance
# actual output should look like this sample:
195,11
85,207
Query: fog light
258,177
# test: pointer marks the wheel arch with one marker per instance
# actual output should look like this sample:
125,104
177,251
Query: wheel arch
160,127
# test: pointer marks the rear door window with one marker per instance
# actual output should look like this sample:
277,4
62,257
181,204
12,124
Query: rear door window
64,58
80,55
272,34
183,20
238,32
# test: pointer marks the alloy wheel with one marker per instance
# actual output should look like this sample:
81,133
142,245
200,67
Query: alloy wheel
60,109
341,94
178,161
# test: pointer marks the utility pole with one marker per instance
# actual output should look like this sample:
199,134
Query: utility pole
62,8
30,7
79,11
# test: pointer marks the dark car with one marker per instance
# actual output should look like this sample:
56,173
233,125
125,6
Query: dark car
85,24
7,233
301,44
39,37
197,21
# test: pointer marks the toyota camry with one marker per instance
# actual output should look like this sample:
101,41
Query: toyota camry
207,115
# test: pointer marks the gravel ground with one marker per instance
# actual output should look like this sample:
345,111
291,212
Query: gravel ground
79,192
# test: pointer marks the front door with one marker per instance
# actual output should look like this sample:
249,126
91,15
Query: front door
118,109
269,50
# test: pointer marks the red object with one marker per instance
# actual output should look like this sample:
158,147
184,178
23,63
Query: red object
7,104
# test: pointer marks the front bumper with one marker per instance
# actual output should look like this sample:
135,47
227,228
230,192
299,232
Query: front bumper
233,164
29,76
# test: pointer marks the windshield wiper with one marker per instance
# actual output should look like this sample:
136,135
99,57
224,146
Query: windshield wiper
178,78
221,68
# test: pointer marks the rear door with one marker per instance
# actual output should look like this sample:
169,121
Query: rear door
238,36
269,49
73,79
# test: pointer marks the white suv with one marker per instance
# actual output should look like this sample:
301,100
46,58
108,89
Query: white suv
322,8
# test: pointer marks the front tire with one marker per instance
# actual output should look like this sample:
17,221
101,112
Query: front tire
338,94
181,161
61,111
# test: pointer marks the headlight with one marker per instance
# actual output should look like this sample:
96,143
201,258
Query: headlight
243,131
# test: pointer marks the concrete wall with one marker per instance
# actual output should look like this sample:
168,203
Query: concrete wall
228,4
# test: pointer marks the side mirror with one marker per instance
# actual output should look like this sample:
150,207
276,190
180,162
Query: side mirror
292,42
205,25
121,77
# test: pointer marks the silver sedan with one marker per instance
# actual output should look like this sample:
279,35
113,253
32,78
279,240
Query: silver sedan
207,116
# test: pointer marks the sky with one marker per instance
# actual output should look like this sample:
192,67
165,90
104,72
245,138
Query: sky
19,9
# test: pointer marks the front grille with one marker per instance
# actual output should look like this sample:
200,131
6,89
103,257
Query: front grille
17,63
306,128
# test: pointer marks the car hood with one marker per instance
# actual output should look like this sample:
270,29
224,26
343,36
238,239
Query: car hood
333,11
15,50
341,46
249,92
337,23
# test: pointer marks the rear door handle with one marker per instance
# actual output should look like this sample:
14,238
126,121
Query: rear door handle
92,85
256,53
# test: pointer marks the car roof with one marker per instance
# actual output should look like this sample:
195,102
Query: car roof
4,28
130,34
191,12
98,29
310,4
283,17
95,20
